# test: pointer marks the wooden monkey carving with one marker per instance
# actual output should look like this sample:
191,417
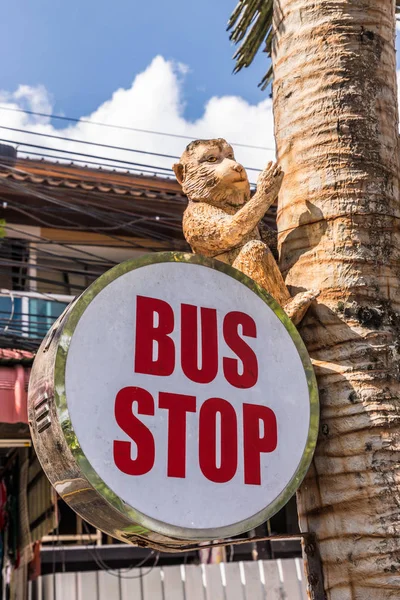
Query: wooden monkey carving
221,220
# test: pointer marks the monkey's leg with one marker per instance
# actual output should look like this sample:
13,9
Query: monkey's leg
297,307
256,261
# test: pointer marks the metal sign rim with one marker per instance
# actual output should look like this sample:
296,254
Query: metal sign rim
144,522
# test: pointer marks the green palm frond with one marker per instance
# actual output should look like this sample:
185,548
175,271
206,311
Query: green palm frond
251,21
251,25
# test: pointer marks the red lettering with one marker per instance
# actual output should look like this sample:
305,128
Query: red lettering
208,440
177,405
249,360
147,334
254,443
189,343
136,430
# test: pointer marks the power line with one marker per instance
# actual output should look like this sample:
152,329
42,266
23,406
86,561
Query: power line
106,216
42,239
103,565
86,202
168,220
155,215
26,265
117,160
94,214
77,141
91,162
103,263
44,280
124,127
100,145
9,262
89,275
73,227
48,198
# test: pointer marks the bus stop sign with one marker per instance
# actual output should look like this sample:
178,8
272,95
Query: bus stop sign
174,402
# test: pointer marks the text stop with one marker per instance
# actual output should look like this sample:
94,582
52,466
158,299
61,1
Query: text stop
218,435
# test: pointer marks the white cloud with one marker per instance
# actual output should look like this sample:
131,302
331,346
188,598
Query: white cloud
153,102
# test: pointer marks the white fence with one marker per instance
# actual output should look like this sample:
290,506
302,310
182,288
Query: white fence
257,580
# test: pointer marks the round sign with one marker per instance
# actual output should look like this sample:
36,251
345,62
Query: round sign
184,396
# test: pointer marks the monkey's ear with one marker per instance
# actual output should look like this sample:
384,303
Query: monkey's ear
179,171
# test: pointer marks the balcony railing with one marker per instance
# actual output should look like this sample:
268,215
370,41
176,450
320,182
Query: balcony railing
26,317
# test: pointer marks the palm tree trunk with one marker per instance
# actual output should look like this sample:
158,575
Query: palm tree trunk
335,102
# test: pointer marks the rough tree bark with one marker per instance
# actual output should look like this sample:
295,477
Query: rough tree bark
335,102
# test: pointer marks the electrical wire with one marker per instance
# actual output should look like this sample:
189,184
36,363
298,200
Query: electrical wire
22,343
169,220
57,256
6,262
172,205
24,329
63,244
28,314
21,324
17,185
91,162
97,177
75,227
117,572
86,273
35,296
124,127
132,226
48,281
116,160
104,216
99,145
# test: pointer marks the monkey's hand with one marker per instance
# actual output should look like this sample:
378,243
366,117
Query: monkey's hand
269,182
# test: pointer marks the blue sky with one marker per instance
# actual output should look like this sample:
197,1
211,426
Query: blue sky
155,65
83,50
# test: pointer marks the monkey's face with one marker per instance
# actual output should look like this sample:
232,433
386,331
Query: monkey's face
208,172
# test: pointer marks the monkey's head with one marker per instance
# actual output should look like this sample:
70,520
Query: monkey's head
208,172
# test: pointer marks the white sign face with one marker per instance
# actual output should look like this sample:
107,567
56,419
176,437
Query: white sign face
187,395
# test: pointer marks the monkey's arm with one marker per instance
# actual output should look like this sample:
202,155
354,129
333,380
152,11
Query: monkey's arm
210,231
268,186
